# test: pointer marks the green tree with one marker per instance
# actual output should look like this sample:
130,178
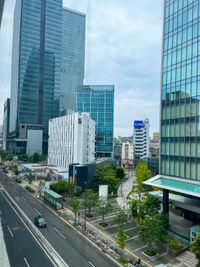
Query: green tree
103,208
60,187
36,157
121,238
151,229
120,173
107,174
74,204
31,178
122,217
23,157
90,198
195,248
149,206
142,172
3,154
16,171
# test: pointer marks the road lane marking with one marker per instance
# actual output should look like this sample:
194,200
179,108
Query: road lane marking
23,198
59,233
30,232
26,262
10,231
37,211
91,264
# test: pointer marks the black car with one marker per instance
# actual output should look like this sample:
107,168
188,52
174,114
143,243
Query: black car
40,221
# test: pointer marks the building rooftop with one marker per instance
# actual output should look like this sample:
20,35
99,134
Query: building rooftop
179,185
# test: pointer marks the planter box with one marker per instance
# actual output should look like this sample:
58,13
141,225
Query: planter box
175,253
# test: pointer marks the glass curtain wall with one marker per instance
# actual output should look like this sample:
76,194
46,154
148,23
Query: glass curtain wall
180,112
98,100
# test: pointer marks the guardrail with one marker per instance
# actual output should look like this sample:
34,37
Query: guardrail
56,258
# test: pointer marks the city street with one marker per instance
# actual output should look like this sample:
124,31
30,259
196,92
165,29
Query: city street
71,246
23,250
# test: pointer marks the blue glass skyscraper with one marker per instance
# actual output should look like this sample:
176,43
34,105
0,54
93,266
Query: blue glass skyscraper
180,113
36,59
98,100
180,106
72,58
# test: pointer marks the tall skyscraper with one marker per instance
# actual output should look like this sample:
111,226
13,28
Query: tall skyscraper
72,58
180,104
36,60
98,100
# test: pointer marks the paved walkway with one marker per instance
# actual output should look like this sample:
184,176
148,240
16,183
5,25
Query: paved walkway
125,188
4,261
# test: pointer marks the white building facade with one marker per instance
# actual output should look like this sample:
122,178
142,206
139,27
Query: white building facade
71,140
141,139
127,151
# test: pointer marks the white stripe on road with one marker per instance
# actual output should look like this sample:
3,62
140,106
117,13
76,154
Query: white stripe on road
59,233
37,211
26,262
91,264
10,231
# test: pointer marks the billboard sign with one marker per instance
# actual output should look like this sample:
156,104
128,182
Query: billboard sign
138,124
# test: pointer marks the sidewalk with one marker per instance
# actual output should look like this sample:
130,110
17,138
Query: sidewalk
4,261
125,188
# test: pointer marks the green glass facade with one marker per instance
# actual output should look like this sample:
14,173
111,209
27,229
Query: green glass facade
180,104
98,100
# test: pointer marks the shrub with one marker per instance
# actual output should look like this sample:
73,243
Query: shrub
30,189
123,260
18,180
175,244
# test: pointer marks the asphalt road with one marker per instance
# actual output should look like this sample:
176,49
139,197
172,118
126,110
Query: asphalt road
72,247
23,250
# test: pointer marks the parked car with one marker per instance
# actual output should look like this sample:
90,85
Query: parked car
40,221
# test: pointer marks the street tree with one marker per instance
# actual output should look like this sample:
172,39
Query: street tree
109,175
151,229
36,157
122,216
90,198
60,187
120,173
142,172
121,238
195,248
103,208
74,204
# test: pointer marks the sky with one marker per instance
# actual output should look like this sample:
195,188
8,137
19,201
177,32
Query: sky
123,48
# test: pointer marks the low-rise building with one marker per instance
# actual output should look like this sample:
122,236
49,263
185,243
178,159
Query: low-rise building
127,154
71,140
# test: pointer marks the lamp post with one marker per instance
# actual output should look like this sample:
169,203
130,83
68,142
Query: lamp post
85,226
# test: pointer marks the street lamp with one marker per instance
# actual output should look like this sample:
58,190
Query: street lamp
85,206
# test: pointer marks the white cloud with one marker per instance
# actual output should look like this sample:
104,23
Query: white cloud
123,48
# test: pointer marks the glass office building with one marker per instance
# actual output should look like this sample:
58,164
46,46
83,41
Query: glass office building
36,59
72,58
180,112
98,100
180,109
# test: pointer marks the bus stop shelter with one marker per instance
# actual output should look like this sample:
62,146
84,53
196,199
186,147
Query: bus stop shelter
54,199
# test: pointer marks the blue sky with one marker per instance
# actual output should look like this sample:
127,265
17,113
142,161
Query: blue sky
123,47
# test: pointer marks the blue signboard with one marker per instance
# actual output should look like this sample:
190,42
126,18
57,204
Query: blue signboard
138,124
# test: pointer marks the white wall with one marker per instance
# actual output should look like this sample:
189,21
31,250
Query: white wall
71,140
